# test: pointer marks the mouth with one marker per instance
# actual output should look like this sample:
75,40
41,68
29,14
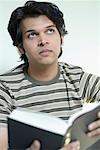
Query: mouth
45,52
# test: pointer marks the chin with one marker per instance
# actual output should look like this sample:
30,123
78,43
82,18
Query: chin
46,63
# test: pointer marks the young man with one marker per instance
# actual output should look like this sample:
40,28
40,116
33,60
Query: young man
42,83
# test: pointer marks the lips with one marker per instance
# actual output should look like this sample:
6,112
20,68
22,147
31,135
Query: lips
45,52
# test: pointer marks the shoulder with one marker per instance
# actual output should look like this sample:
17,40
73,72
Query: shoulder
12,74
77,71
71,69
88,78
90,87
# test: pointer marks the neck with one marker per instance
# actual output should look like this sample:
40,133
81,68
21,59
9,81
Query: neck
43,73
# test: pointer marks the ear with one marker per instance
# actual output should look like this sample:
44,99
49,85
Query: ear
21,49
62,40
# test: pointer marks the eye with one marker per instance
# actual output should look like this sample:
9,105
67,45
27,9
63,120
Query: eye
50,31
32,35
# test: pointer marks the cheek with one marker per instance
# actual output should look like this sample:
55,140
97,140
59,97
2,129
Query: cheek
57,44
29,46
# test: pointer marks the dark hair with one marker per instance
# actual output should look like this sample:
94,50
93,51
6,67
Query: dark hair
33,9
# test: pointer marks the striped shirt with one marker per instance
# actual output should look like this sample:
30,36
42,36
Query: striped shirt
61,97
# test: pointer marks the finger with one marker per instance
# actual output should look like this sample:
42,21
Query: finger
72,146
35,145
95,132
94,125
98,114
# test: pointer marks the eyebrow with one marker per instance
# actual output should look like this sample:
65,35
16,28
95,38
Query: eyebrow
32,30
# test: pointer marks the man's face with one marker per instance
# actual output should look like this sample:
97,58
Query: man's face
41,40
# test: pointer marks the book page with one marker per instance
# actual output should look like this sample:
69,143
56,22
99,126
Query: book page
40,120
86,108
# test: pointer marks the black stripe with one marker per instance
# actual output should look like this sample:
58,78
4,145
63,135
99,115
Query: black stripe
12,74
46,93
15,81
40,94
74,67
49,101
23,88
61,109
94,97
86,85
3,121
33,85
94,85
64,118
74,81
72,73
3,112
4,90
65,65
1,97
43,102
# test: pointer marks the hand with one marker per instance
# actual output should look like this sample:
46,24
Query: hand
34,146
72,146
94,128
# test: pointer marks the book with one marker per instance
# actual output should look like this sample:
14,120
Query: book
24,126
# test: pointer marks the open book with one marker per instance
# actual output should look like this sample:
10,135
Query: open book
24,126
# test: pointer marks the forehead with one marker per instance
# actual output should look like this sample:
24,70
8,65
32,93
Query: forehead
35,23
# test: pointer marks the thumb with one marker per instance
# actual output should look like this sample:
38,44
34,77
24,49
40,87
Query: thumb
35,145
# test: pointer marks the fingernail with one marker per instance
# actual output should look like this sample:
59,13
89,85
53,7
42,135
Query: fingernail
89,134
78,147
78,144
90,127
99,114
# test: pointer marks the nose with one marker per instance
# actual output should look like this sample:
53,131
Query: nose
42,40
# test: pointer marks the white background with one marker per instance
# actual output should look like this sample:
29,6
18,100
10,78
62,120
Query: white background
82,44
